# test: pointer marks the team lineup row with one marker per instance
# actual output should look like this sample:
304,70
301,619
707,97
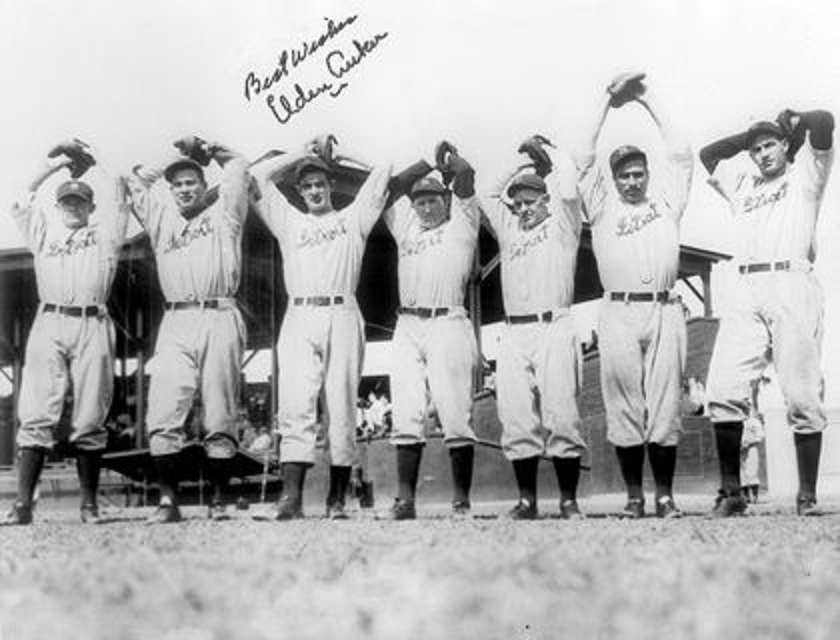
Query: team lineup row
536,214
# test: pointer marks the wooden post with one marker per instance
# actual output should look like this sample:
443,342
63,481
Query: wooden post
706,277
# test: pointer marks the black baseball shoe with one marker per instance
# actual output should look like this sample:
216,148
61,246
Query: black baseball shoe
288,508
633,510
166,513
217,511
461,508
524,510
337,511
403,510
20,513
667,508
89,513
727,506
806,506
569,510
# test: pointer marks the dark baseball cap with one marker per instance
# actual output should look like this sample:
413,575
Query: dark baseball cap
623,154
527,181
75,188
427,186
763,127
311,163
180,164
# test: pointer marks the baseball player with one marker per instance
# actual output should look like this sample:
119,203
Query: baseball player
197,240
76,241
536,218
321,343
435,350
778,315
635,237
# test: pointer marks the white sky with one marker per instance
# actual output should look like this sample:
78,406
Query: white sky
129,77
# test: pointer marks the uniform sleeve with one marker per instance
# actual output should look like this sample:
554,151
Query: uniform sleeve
727,179
562,188
470,210
149,197
816,166
113,217
495,213
678,176
371,198
30,219
592,188
273,208
234,187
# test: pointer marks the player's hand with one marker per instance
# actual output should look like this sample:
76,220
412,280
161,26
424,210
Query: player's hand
626,87
79,154
195,148
788,120
444,152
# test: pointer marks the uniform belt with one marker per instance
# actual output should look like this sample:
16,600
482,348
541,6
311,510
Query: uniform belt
76,312
318,301
192,304
640,296
424,312
756,267
545,316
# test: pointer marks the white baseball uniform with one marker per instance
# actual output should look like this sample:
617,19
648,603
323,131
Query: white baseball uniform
71,343
435,351
321,344
537,375
642,342
778,312
202,335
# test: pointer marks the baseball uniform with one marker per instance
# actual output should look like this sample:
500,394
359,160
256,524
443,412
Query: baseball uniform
202,335
321,343
778,310
71,343
538,365
435,350
641,331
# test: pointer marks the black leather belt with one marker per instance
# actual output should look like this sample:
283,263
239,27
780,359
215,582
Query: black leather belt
76,312
192,304
545,316
318,301
640,296
756,267
424,312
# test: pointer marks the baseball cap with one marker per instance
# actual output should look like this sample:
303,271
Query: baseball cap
74,188
527,181
427,185
763,127
179,164
623,154
311,163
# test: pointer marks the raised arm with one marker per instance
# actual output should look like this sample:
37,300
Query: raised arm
676,144
584,152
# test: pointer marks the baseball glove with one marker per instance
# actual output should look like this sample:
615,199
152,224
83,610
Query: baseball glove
79,153
795,132
444,152
533,148
323,146
626,87
195,148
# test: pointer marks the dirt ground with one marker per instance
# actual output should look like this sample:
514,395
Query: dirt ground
767,575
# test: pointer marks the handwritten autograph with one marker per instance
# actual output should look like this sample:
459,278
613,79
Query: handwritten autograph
284,103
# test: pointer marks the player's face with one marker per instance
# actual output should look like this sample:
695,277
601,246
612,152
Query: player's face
188,188
75,211
631,180
531,206
316,191
431,208
769,154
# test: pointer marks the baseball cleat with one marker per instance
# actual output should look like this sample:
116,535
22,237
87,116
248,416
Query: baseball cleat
806,506
524,510
461,508
89,513
20,513
569,510
667,508
727,506
166,513
336,511
217,511
403,510
288,508
633,510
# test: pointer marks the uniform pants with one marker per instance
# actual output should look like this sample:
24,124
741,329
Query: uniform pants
197,349
434,361
538,383
643,350
64,351
778,318
321,351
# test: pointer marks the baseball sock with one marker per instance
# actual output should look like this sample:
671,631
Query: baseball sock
462,461
808,447
568,473
526,470
293,473
87,466
631,460
663,462
168,476
218,473
408,469
31,463
339,482
728,438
